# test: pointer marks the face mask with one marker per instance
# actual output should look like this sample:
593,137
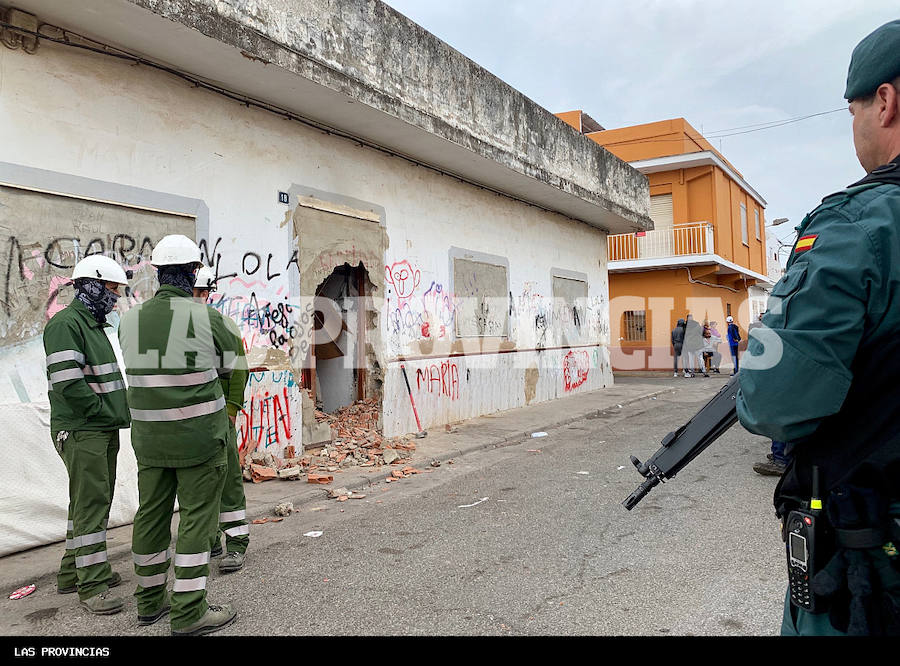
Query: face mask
94,295
181,277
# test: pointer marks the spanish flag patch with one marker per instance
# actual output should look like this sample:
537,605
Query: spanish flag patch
805,243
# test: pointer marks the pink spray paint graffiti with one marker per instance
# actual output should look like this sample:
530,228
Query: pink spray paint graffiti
576,366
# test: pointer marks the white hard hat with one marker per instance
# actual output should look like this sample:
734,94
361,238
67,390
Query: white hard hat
205,279
98,267
729,319
175,249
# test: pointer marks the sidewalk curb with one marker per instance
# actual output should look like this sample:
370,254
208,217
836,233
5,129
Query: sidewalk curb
118,553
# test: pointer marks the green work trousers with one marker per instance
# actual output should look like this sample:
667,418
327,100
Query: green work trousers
198,489
90,460
798,622
233,508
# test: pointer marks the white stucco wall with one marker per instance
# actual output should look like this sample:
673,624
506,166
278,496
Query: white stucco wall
94,117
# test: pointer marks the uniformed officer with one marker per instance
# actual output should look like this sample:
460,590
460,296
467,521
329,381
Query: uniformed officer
824,370
87,409
232,511
175,349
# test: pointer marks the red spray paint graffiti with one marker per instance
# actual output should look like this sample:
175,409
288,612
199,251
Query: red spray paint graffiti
576,366
443,379
265,421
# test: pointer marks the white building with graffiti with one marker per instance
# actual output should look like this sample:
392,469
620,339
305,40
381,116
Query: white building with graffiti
454,230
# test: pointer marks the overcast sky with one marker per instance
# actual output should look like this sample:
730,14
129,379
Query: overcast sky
720,65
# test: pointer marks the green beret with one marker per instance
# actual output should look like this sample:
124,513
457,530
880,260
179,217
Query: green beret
875,60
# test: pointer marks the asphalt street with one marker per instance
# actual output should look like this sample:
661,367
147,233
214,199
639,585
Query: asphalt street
527,539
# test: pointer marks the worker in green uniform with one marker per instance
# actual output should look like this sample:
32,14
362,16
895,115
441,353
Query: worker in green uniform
175,350
824,367
233,508
87,409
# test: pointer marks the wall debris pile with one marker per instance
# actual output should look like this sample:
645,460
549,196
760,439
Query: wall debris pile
357,440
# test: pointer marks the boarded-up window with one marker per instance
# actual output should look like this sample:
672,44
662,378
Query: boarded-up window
570,300
745,236
635,325
483,299
661,211
42,236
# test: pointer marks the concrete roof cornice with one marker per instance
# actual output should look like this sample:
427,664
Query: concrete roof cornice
363,69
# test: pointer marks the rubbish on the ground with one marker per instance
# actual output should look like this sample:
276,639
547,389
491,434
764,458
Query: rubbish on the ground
23,592
319,478
532,450
583,473
284,509
538,434
260,473
619,406
467,506
314,534
620,467
267,519
318,508
435,462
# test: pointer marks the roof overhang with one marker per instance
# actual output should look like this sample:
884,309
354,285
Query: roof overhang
422,101
670,263
688,160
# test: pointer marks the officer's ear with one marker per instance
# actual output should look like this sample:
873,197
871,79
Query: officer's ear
887,97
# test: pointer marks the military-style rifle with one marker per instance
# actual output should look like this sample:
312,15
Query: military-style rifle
682,446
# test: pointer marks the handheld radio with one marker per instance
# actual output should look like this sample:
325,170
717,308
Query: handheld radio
804,532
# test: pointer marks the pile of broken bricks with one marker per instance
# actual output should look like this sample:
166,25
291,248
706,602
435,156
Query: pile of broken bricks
356,441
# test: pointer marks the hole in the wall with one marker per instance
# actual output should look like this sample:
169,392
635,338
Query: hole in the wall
340,364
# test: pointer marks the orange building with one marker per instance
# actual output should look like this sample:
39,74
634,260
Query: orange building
706,251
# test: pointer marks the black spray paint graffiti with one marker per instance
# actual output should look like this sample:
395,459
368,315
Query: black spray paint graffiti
251,262
26,262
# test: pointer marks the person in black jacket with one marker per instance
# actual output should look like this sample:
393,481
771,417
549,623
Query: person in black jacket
693,343
677,344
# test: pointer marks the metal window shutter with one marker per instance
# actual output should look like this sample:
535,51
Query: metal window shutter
661,211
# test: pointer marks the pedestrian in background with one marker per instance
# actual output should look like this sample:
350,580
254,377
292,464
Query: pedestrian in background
693,343
734,340
87,410
715,341
678,344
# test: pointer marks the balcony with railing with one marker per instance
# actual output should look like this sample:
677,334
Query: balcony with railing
694,238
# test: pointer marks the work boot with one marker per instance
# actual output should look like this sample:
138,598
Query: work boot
770,468
770,457
104,604
233,561
114,580
153,618
215,618
217,550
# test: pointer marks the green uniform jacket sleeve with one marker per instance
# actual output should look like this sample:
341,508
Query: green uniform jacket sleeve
798,367
64,347
234,374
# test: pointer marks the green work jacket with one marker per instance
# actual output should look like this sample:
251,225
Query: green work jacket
822,372
175,350
84,382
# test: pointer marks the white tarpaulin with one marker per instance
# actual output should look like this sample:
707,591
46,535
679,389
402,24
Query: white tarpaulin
34,487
